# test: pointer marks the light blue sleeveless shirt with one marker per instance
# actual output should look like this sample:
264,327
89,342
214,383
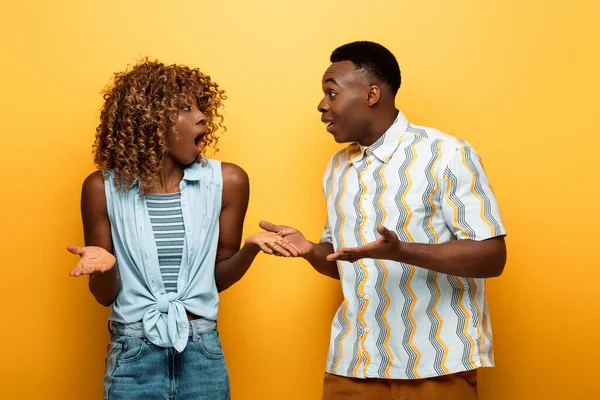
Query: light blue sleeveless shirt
143,296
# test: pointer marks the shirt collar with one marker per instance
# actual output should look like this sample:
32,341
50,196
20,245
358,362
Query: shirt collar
191,173
384,147
194,171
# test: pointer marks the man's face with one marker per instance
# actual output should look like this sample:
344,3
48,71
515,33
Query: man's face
344,107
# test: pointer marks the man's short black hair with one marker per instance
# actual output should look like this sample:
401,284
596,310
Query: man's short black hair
373,58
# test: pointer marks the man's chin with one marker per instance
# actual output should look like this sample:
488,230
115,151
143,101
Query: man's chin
340,138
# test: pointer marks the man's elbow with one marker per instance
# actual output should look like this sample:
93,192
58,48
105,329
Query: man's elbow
496,270
496,257
498,263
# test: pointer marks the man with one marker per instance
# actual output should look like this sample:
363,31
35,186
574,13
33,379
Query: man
412,231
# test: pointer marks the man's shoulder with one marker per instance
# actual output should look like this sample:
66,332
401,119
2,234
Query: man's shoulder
340,155
430,135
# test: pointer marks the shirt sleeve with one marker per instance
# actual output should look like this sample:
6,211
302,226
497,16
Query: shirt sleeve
326,236
468,202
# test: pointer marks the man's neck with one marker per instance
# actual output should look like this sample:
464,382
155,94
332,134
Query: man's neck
381,123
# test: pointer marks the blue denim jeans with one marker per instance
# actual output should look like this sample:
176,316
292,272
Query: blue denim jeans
137,369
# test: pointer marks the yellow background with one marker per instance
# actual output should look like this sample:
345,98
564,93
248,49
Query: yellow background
517,79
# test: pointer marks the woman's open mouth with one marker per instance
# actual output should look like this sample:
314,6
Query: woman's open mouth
198,142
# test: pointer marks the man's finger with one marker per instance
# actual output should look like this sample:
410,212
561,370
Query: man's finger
333,256
292,245
265,248
291,249
278,249
338,257
386,233
269,226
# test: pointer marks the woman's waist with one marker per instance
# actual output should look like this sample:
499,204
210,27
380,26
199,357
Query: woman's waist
197,325
129,308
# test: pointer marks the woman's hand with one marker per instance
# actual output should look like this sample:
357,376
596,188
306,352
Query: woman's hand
272,243
93,259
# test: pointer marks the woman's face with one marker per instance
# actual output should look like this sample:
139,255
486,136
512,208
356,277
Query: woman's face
184,138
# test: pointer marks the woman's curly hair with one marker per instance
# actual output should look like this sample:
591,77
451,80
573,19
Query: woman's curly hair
140,106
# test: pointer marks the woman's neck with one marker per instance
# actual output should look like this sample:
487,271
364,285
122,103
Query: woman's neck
169,177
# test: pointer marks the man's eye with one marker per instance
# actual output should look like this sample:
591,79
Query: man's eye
332,94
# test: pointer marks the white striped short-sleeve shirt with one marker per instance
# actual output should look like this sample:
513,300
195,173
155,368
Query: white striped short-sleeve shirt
401,321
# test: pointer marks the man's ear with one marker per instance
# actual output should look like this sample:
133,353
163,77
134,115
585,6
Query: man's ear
374,95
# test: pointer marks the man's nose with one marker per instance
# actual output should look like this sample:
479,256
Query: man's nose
323,106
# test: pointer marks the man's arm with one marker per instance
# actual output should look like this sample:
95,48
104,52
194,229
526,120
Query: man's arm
315,254
318,259
466,258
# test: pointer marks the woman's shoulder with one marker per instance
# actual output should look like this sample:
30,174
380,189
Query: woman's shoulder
94,183
229,172
233,174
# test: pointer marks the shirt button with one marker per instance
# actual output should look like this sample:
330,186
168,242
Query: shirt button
367,329
145,256
189,229
141,228
367,297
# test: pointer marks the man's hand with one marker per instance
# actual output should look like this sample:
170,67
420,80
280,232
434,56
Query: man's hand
93,259
292,236
387,247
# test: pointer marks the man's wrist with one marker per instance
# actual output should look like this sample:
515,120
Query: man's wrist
310,253
400,251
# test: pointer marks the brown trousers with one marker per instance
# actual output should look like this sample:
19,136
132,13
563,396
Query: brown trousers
459,386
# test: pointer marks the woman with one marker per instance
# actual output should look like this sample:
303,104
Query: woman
173,221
